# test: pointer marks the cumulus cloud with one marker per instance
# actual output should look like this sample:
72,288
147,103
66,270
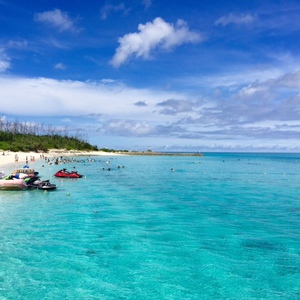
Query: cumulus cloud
235,19
57,19
4,61
156,35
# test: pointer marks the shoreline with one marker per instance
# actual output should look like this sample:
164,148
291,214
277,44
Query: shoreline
8,158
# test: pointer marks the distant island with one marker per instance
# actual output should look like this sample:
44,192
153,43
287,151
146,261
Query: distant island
151,153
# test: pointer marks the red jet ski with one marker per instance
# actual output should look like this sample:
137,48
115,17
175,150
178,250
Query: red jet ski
63,173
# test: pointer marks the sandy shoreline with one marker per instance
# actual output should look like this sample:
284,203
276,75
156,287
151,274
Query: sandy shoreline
8,158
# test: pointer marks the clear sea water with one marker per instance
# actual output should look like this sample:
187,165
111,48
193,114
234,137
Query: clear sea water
221,226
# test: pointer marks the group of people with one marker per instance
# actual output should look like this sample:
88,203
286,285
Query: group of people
32,158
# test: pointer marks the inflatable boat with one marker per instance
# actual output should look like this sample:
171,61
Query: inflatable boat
12,184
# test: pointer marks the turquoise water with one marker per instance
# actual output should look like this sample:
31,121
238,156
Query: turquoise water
221,226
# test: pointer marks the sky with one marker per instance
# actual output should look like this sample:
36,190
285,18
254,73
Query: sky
193,75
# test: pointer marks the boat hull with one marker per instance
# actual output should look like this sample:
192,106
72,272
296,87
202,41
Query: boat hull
13,184
43,185
36,183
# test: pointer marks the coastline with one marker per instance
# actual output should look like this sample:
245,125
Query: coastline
8,158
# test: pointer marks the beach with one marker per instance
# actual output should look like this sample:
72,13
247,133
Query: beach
21,158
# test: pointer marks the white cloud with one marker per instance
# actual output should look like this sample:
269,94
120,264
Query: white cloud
4,61
127,127
20,44
60,66
113,100
266,112
153,35
235,19
291,80
56,18
286,84
108,8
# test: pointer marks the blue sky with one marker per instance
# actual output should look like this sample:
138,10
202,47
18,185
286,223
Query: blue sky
153,74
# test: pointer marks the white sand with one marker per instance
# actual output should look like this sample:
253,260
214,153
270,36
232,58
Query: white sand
9,157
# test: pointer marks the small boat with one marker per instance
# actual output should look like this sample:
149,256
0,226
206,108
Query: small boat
37,183
8,183
63,173
24,172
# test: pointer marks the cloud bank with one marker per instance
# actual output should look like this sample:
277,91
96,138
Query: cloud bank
245,117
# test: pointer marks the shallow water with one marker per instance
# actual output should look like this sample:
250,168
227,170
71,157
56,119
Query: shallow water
221,226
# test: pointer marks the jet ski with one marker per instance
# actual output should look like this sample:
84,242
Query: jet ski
37,183
63,173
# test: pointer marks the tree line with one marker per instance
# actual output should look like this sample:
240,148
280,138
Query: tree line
19,136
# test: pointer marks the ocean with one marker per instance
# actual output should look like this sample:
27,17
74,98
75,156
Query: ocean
218,226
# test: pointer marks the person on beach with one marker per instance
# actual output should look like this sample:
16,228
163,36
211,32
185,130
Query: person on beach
16,158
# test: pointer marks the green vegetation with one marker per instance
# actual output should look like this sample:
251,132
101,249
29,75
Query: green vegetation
113,150
15,136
